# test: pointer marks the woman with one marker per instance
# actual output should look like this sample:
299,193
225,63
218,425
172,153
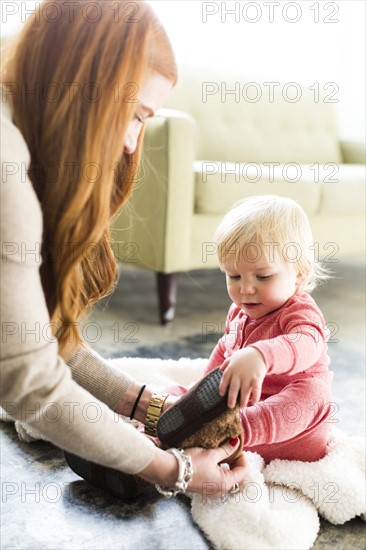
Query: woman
77,91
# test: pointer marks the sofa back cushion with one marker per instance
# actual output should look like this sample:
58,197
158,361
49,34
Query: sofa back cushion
242,120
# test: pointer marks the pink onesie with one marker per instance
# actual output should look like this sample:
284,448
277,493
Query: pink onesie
293,418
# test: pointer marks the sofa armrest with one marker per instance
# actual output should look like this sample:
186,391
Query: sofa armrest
353,152
154,229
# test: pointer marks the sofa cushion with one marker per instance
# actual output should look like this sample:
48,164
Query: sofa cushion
220,185
346,195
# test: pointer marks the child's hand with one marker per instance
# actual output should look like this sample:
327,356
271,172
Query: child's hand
244,372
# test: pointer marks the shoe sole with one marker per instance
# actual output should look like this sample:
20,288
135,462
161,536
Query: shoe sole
121,485
194,409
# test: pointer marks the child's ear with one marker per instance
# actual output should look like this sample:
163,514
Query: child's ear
300,279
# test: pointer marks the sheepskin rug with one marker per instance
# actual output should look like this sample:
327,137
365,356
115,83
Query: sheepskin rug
280,504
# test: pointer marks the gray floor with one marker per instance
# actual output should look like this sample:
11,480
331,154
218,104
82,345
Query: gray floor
45,505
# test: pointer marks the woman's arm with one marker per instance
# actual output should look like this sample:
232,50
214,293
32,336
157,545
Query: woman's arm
100,378
109,384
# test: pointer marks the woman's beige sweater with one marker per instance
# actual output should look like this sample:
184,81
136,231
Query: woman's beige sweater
71,404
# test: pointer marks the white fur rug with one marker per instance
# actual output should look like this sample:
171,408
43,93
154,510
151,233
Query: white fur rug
279,506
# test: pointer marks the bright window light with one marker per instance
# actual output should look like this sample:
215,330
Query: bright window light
305,41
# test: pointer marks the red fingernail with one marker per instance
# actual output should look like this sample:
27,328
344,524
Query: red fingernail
234,441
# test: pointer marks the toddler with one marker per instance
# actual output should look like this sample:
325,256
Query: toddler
274,352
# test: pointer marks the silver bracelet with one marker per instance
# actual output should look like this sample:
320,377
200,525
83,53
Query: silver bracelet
185,473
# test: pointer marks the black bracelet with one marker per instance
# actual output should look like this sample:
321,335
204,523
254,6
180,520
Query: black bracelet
136,402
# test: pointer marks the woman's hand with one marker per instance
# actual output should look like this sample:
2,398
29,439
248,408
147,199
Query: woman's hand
243,374
208,478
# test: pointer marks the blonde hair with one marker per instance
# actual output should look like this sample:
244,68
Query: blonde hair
71,81
266,223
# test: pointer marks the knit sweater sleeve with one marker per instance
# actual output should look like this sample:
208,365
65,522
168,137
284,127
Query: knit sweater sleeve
91,371
37,386
301,342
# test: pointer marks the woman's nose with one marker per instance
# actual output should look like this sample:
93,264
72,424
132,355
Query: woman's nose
130,141
130,144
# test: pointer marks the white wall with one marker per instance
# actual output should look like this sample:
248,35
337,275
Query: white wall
324,43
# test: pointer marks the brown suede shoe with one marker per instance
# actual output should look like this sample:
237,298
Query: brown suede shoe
201,418
201,404
121,485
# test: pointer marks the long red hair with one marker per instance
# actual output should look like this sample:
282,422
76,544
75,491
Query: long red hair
72,77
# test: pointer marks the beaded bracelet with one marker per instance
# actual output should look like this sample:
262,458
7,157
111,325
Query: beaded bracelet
136,402
185,473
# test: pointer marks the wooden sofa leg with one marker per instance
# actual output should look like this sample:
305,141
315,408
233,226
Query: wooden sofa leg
167,292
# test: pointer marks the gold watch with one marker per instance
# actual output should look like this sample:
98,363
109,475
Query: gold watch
154,410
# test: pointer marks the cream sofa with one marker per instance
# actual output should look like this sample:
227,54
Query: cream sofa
224,138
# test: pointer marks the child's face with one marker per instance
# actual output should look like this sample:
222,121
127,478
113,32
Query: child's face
261,286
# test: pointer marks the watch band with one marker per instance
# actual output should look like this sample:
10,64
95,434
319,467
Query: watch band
153,412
